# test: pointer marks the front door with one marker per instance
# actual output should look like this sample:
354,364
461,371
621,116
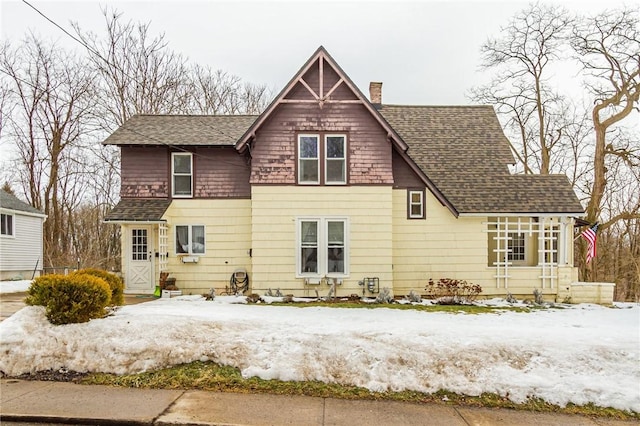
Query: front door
140,270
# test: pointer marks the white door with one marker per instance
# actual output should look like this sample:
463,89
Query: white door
140,270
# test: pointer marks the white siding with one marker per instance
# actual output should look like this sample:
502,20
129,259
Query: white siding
20,253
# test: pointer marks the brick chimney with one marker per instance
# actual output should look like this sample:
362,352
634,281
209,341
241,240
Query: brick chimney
375,92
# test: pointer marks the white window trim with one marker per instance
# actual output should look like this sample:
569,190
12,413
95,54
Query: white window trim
173,174
411,204
190,236
13,226
344,159
323,243
308,182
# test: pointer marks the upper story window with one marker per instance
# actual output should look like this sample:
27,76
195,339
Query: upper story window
308,159
182,174
190,239
415,207
335,159
6,224
322,159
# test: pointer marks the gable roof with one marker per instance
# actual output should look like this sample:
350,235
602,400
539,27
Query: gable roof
194,130
138,210
470,143
459,152
323,56
11,202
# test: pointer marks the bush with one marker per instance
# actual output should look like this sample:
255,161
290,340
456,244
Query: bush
448,291
73,298
114,281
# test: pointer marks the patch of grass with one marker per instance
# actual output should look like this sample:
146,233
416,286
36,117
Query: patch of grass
213,377
451,309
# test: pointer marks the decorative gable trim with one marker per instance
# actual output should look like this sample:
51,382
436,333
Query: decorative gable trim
321,56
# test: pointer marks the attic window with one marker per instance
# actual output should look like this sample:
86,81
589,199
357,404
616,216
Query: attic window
6,222
182,174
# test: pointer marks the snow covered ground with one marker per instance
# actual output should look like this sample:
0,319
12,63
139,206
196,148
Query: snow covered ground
580,354
14,286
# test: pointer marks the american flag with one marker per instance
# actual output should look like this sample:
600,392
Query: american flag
590,235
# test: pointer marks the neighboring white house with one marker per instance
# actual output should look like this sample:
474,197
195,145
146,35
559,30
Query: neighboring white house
21,242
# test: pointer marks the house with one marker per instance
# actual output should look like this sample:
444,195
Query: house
327,187
21,238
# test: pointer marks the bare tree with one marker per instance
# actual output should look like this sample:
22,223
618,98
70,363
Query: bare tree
139,74
217,92
53,92
529,44
608,47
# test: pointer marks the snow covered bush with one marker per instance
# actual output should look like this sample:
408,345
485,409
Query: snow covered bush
448,291
114,281
73,298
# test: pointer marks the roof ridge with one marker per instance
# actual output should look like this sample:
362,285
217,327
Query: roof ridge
196,115
437,106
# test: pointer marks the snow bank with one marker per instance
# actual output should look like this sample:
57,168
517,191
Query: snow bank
579,354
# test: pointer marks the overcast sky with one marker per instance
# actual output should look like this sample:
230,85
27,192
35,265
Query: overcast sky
425,52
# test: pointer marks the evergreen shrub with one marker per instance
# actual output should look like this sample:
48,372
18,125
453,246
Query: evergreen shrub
68,299
114,281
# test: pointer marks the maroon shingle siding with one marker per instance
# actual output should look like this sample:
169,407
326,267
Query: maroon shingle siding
274,149
145,172
221,173
403,175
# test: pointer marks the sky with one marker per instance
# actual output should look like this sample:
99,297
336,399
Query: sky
580,353
425,52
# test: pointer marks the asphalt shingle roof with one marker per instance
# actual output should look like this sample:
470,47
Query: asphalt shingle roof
139,209
198,130
11,202
465,153
461,149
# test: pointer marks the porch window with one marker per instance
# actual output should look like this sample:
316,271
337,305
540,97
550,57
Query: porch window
516,247
6,224
322,247
190,239
415,204
182,174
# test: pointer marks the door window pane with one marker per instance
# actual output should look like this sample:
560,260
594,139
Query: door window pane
139,244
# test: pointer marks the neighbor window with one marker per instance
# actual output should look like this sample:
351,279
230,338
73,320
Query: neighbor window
415,204
190,239
6,221
182,174
322,247
322,158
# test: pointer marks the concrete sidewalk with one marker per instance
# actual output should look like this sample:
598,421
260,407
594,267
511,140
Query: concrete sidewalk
56,402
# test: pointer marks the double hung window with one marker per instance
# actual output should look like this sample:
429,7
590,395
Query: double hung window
322,159
190,239
322,247
182,174
6,224
415,204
